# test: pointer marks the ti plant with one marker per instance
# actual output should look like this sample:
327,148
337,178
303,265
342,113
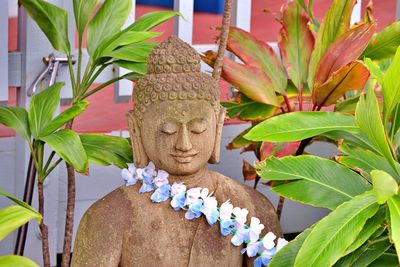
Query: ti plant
319,67
361,187
11,218
106,44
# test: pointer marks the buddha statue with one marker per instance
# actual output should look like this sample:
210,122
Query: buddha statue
176,123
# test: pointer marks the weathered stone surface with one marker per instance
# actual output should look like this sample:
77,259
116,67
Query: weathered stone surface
176,123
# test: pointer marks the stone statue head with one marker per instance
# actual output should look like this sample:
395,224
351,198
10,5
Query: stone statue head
177,119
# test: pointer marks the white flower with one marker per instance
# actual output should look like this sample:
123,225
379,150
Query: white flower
161,178
177,188
252,248
148,171
225,211
129,175
268,240
204,193
281,243
192,195
255,229
240,215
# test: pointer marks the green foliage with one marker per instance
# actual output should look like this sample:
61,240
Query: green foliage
394,208
83,10
14,260
384,186
17,119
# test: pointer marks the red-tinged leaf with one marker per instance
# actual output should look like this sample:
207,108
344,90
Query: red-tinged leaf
279,150
369,10
296,42
257,53
249,172
239,141
344,50
335,23
351,77
249,80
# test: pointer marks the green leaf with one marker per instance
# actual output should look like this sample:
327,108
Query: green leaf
108,149
129,38
387,260
17,201
347,105
366,160
368,118
151,20
297,126
136,67
64,117
16,261
391,87
52,20
333,234
352,257
317,181
394,208
13,217
239,141
107,21
384,185
356,138
42,108
374,69
286,256
335,23
384,44
373,252
132,76
135,52
68,146
17,119
83,10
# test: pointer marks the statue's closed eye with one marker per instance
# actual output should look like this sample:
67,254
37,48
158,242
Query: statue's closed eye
198,126
169,128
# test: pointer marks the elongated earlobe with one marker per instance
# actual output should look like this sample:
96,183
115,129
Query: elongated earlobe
140,158
215,156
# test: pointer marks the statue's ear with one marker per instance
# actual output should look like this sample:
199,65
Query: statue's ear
217,145
140,158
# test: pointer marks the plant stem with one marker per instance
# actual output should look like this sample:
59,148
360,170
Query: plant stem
300,96
101,87
287,103
71,73
52,168
69,217
43,227
48,162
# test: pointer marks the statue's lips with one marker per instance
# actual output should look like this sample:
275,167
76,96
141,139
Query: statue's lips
184,158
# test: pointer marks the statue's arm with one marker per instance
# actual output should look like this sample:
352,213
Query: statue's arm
99,239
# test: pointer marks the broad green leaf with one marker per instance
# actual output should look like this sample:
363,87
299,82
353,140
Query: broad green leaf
239,141
366,160
16,261
109,149
317,181
391,87
129,38
347,105
356,138
64,117
374,69
373,252
296,42
42,108
334,24
135,52
151,20
52,20
345,50
17,201
286,256
138,68
297,126
368,118
385,43
351,77
68,146
333,234
249,80
352,257
107,21
17,119
132,76
83,10
249,109
12,217
394,208
387,260
257,53
385,186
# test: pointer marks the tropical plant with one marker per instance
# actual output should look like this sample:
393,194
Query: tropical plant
319,64
11,218
107,44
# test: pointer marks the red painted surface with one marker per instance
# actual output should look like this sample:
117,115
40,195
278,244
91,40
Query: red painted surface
104,115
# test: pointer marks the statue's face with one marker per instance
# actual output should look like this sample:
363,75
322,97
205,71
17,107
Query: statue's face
179,136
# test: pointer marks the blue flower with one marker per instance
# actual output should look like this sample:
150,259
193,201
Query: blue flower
147,185
178,200
264,258
129,175
226,227
195,209
252,248
241,236
161,194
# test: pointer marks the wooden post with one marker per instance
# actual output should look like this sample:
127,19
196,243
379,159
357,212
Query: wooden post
183,26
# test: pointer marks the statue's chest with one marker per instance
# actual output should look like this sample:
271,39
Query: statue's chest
161,236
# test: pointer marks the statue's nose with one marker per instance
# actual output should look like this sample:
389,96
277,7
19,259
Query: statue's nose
183,142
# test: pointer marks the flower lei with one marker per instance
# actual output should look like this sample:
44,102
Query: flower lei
197,201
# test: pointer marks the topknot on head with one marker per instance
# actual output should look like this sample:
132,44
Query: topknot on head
173,56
